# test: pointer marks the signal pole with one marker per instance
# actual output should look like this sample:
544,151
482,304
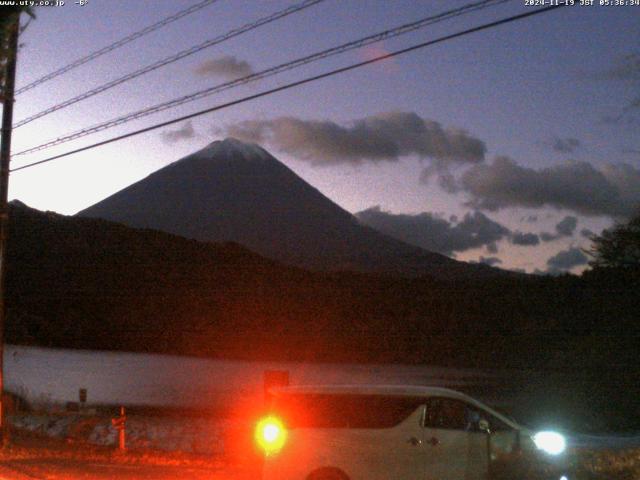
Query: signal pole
5,157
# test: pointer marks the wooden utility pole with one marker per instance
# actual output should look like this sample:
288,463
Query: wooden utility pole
5,156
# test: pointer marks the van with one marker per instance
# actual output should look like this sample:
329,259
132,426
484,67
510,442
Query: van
372,432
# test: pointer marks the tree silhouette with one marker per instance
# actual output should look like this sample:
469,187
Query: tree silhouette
618,247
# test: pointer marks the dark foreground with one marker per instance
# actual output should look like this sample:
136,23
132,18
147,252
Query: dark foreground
34,457
78,469
30,456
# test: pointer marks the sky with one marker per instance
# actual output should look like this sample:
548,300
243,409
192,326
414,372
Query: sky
510,146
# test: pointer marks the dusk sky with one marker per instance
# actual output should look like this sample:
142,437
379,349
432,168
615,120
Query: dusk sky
509,146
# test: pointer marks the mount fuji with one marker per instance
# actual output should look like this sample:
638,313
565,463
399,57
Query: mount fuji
236,191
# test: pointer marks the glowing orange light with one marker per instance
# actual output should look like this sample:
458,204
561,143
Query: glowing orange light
270,434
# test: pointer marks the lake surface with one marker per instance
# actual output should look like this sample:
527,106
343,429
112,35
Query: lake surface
43,375
571,401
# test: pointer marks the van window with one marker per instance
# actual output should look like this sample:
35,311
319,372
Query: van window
495,424
450,414
343,411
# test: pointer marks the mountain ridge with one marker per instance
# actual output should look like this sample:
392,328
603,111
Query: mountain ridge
235,191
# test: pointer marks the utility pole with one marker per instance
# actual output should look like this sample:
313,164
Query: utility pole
5,157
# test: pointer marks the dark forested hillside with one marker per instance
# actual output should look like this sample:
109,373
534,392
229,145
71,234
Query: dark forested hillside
87,283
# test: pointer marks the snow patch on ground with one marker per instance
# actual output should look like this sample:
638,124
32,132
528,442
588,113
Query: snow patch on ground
175,434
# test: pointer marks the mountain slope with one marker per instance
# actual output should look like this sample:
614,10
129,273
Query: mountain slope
233,191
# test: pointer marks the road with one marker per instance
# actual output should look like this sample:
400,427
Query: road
58,469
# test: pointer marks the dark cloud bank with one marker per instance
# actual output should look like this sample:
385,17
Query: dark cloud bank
379,138
432,232
449,236
567,226
525,239
611,190
566,260
564,228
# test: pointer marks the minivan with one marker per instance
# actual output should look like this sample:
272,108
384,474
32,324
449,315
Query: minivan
368,432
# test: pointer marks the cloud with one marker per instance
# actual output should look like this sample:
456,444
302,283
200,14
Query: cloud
491,261
567,226
586,233
185,132
227,66
492,247
525,239
612,190
564,228
434,233
567,259
385,137
579,186
626,178
565,145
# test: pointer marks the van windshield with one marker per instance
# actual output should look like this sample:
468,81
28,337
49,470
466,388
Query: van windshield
344,411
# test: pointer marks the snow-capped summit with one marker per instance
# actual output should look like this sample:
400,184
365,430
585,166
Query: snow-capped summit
236,191
232,148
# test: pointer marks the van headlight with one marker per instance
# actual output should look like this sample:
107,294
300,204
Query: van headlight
552,443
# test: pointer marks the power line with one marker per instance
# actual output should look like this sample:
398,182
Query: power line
394,32
297,83
173,58
118,44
